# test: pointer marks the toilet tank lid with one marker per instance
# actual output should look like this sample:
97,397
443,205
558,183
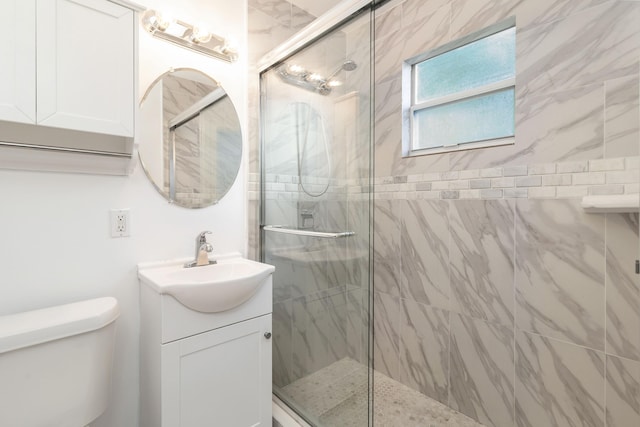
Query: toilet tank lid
39,326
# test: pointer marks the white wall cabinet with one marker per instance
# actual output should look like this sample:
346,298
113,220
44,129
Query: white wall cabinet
68,75
85,72
18,59
68,64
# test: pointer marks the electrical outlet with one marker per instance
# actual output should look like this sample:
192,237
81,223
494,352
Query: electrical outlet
120,222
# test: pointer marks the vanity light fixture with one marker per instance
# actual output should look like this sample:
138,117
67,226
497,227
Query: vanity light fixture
299,76
187,35
296,75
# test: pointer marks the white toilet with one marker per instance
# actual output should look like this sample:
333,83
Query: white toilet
55,364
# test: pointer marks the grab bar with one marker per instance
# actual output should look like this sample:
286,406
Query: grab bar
298,232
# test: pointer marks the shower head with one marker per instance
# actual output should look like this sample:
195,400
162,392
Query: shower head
347,65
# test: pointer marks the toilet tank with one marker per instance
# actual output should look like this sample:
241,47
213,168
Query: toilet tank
55,364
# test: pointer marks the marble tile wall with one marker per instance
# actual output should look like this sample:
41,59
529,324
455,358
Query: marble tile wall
269,24
576,80
611,176
495,293
486,288
321,296
220,129
189,185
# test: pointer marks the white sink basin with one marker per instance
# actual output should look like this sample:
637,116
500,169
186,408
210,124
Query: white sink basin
209,289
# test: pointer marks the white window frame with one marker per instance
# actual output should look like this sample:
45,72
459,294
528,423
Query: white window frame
410,107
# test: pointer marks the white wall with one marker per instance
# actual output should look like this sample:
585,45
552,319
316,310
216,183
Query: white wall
54,227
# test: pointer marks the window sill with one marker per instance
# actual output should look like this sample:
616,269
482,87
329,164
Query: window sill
461,147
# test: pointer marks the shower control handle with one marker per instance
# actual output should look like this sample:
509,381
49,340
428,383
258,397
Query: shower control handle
267,335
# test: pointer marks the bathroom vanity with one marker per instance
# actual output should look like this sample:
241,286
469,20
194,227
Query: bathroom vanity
205,343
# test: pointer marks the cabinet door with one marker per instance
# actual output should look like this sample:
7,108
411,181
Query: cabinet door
219,378
85,74
18,60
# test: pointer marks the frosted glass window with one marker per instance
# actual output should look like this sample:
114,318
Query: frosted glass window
479,118
463,92
488,60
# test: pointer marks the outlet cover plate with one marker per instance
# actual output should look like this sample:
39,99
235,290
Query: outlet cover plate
120,222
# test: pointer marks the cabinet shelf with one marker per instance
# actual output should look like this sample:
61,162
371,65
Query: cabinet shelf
624,203
51,159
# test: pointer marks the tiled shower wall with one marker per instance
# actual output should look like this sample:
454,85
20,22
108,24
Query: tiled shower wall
318,314
319,284
190,190
270,22
495,293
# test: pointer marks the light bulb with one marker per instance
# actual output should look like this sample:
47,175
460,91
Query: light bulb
158,20
295,69
231,43
334,83
315,77
230,46
200,35
163,20
153,21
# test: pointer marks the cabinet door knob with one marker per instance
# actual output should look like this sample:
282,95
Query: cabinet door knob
267,335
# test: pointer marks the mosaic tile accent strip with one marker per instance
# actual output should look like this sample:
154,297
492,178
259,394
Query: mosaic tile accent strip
536,181
552,180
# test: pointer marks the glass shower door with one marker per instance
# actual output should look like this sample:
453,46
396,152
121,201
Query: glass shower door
316,172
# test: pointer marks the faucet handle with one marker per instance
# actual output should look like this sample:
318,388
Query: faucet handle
202,237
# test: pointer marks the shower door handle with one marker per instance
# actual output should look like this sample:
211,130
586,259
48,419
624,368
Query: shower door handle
298,232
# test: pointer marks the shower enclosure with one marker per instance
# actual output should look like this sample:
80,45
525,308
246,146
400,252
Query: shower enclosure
316,208
501,282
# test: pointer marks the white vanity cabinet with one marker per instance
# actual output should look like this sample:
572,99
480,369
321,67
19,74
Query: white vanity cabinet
219,378
68,76
205,369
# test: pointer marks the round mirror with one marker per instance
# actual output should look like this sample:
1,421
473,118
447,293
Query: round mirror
190,143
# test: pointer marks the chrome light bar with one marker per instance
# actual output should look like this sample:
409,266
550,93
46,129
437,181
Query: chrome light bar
188,36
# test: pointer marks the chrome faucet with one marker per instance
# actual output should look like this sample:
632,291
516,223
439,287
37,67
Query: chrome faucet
203,248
